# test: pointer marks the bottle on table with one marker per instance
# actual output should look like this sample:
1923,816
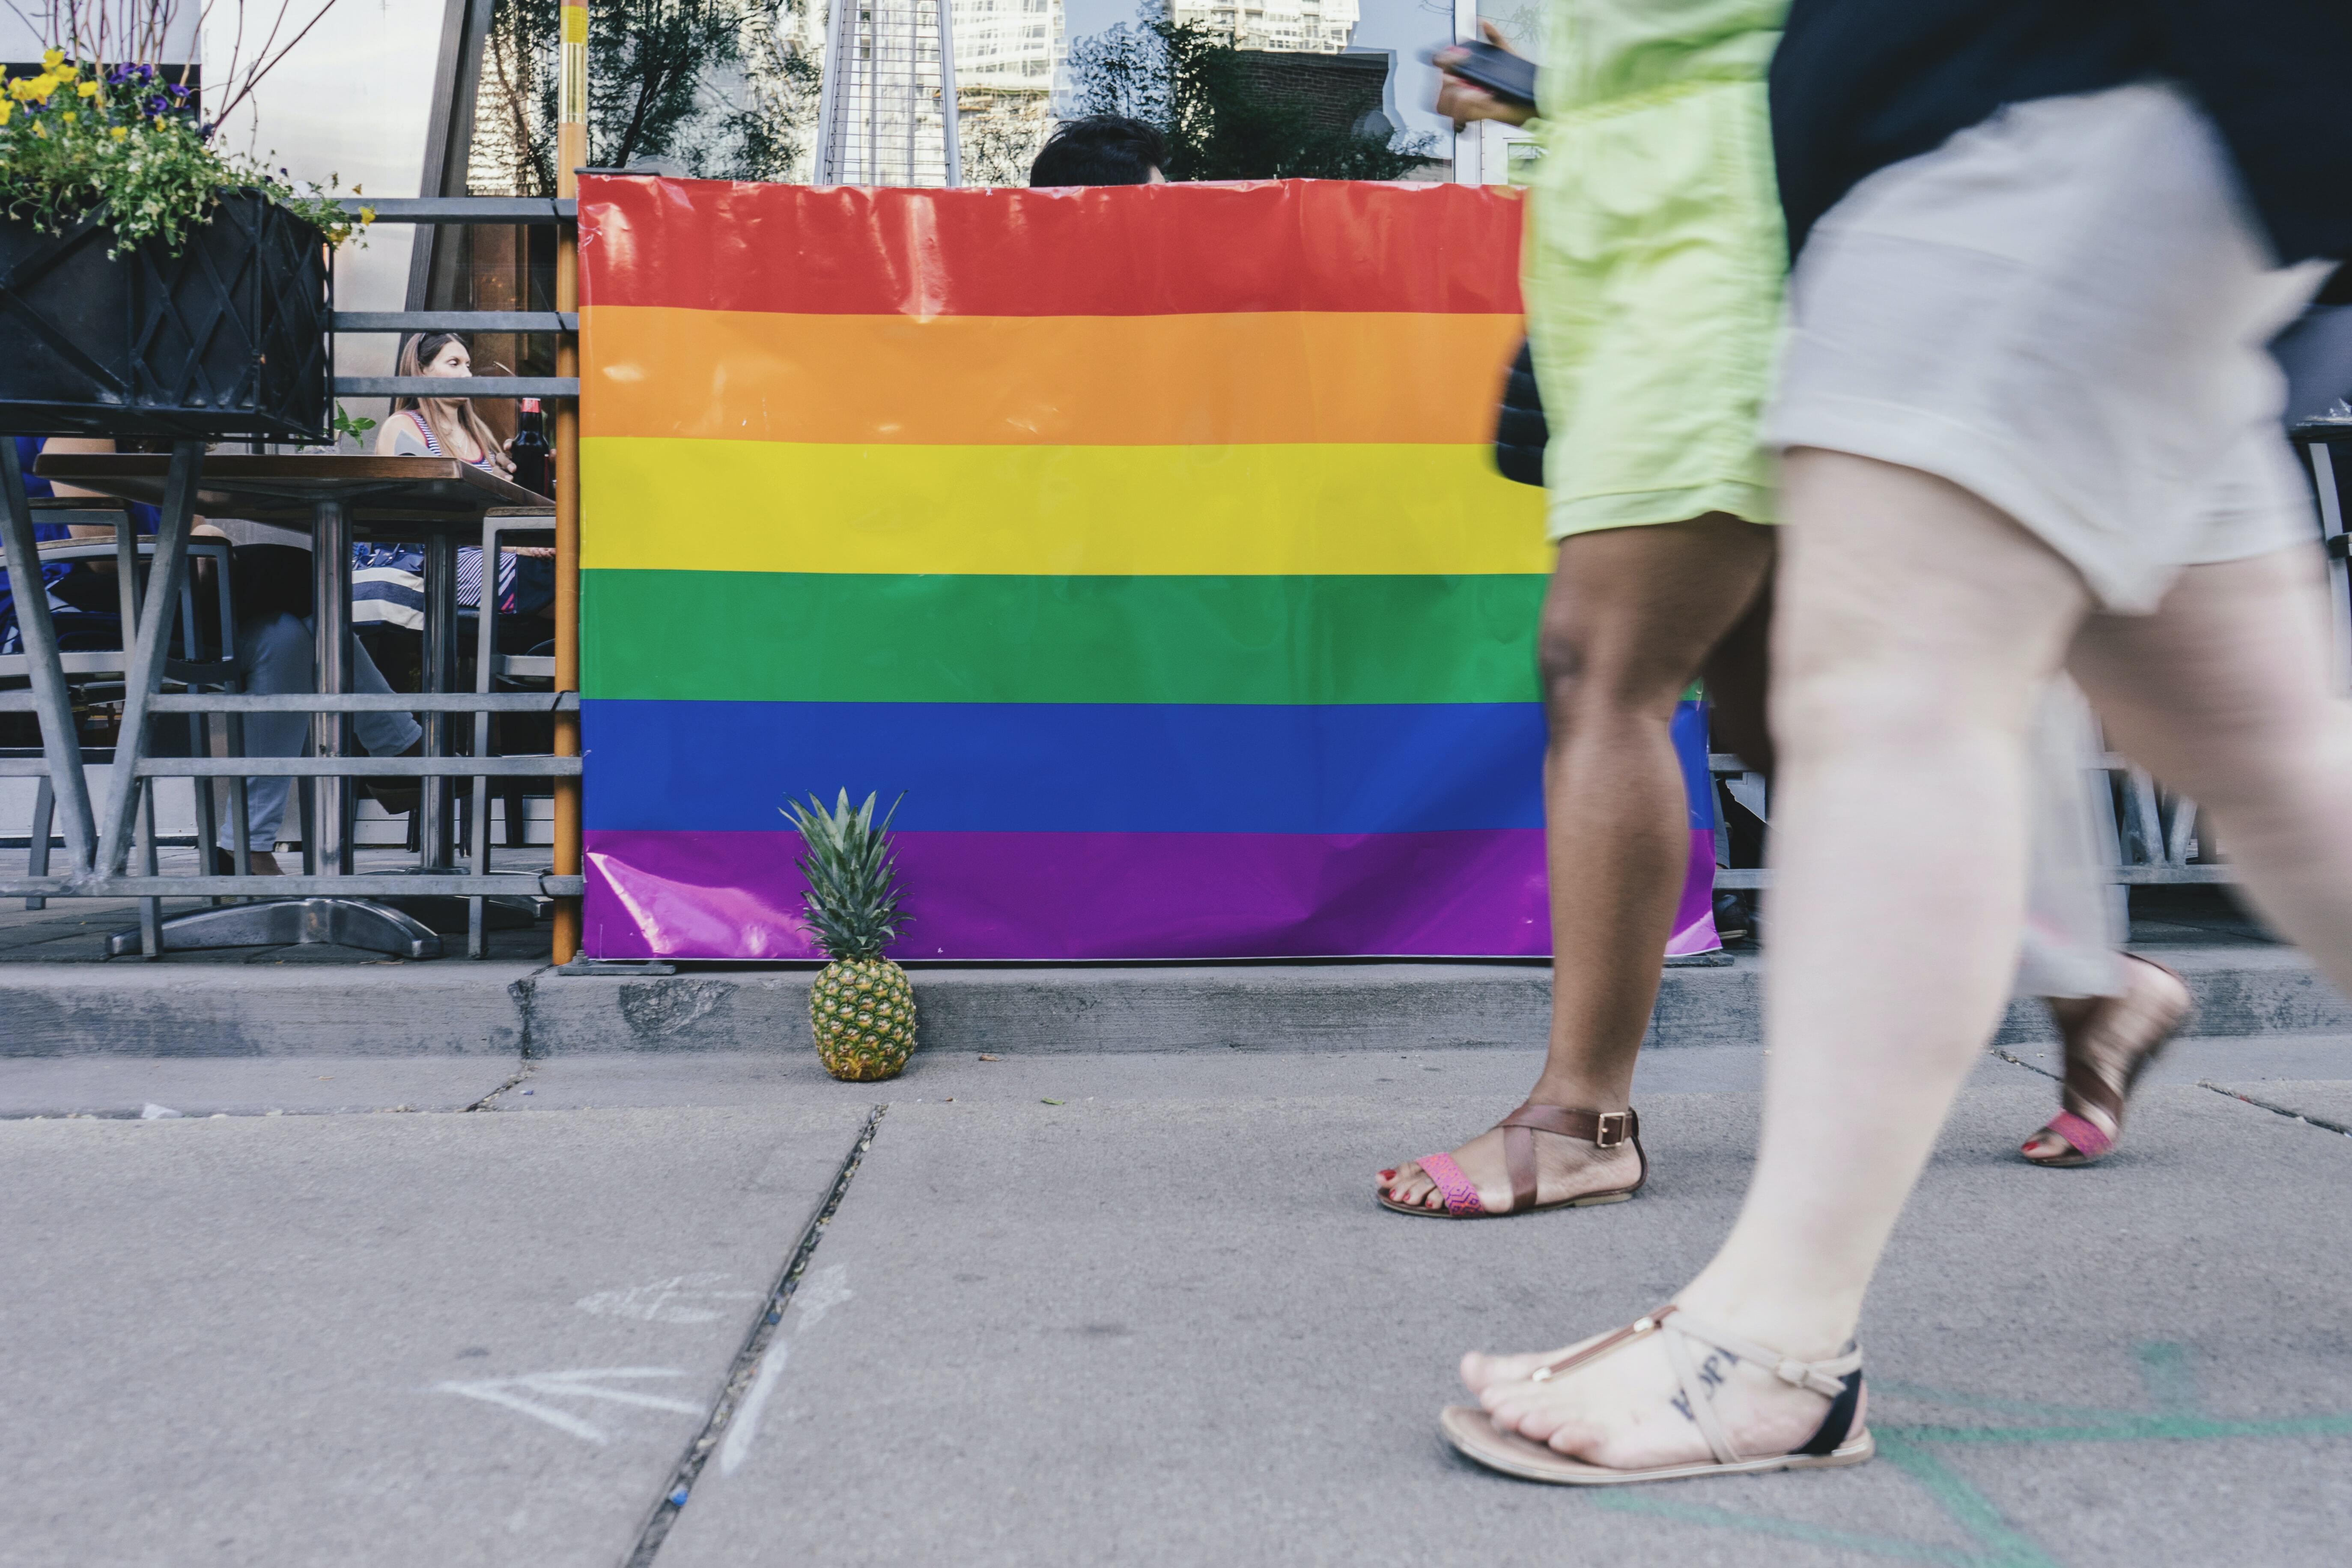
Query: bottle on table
534,457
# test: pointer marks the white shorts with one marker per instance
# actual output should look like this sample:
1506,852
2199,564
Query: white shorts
2064,310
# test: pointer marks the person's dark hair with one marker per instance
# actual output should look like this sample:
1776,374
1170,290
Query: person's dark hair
1100,150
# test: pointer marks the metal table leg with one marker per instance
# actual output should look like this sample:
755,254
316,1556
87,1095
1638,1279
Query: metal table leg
60,742
485,619
331,565
127,598
436,844
37,841
199,736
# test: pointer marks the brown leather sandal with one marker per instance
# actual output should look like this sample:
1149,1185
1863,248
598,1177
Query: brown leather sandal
1601,1128
2133,1030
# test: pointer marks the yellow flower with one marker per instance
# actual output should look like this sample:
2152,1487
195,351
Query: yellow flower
367,215
42,87
42,132
53,58
118,133
67,73
6,108
68,117
87,89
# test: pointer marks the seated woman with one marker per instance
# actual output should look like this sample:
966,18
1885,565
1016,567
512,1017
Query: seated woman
448,427
276,652
440,426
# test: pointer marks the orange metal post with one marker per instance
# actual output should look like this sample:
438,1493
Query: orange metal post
571,151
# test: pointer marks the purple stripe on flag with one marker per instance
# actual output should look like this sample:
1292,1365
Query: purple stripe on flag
1072,895
1695,915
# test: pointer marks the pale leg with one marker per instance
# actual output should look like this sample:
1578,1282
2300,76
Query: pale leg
1916,627
2224,694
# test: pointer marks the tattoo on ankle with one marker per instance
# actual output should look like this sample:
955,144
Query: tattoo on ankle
1712,1373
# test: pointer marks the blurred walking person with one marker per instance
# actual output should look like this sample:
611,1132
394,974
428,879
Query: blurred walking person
2030,423
1653,275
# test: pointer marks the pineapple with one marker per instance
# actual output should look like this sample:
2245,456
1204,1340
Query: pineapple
862,1008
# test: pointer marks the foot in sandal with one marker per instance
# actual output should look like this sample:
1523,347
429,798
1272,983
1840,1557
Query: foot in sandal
2109,1041
1669,1397
1539,1157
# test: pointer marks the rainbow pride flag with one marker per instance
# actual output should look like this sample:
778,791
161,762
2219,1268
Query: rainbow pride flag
1146,539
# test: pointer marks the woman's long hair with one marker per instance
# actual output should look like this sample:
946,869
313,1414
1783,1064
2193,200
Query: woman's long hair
445,417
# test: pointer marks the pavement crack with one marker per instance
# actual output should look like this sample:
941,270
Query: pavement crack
740,1377
485,1103
2319,1121
2029,1066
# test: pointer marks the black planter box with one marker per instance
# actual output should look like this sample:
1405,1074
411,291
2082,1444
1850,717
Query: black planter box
228,339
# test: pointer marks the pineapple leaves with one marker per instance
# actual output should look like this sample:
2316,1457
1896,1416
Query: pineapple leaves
853,896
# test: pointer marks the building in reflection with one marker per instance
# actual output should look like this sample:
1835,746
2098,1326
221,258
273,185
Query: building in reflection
1311,27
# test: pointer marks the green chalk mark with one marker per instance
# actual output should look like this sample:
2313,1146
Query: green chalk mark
2172,1390
2171,1385
2005,1546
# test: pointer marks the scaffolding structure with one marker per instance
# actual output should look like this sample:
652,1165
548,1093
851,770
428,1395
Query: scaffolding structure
886,112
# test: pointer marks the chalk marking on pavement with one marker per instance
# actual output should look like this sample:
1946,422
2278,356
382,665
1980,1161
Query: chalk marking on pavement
737,1446
752,1360
663,1300
576,1384
1996,1541
825,1289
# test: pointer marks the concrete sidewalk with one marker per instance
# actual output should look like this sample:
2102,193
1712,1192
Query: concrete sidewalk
1092,1307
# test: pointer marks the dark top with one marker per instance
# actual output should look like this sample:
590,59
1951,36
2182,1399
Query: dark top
1521,432
1860,84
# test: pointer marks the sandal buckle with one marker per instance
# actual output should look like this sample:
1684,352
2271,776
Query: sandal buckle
1611,1129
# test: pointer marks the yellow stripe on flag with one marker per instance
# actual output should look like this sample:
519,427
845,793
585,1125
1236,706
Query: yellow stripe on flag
760,506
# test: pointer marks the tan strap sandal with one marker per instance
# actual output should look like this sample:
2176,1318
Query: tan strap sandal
1841,1439
1601,1128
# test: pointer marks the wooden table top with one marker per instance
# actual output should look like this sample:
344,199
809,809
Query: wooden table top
434,493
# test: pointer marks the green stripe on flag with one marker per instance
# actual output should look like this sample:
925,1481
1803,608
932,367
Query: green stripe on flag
766,637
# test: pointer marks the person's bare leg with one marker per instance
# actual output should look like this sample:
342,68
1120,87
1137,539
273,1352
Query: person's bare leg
1630,615
1915,626
2225,694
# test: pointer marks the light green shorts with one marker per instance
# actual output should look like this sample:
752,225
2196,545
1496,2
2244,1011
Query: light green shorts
1655,261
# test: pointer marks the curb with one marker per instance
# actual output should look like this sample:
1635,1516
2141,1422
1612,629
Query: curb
488,1009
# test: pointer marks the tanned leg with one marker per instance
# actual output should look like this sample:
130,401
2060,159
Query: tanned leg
1630,616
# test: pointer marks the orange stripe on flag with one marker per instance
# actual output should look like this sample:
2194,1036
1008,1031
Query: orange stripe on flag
1286,377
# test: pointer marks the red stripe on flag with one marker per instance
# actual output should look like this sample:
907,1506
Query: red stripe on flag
1174,249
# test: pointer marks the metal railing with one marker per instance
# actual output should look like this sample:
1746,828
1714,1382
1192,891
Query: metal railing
99,843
